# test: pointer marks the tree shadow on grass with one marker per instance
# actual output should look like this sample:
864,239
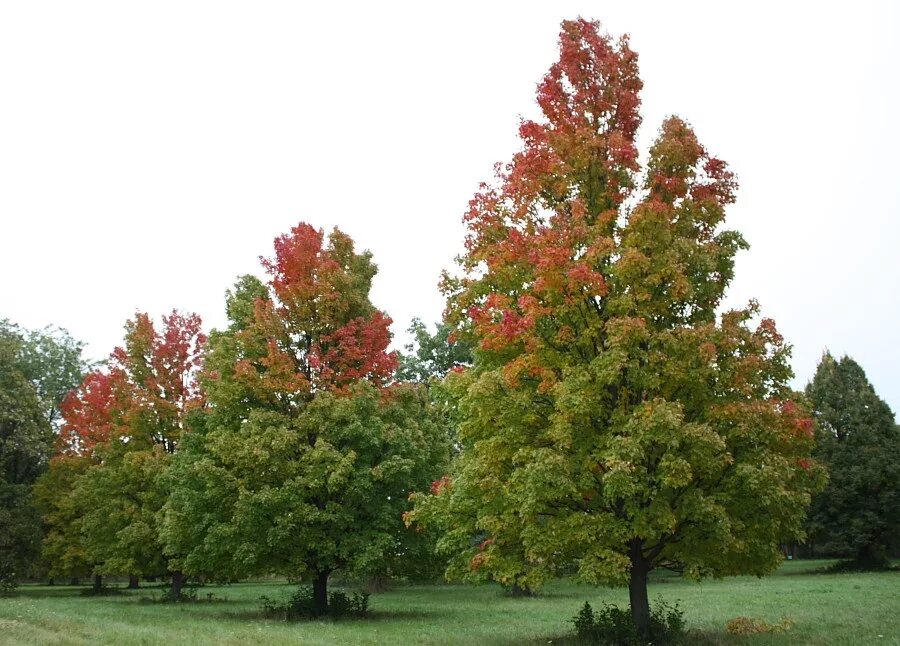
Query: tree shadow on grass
840,568
65,591
255,614
693,637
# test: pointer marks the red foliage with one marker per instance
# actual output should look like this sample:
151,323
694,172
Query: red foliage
441,484
322,332
89,414
355,351
151,380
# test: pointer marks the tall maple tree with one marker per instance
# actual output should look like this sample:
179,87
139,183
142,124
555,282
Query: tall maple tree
307,455
612,418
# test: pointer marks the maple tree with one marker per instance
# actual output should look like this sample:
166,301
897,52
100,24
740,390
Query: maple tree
303,463
612,419
120,427
858,513
62,547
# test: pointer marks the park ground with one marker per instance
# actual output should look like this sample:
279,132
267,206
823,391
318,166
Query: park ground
825,608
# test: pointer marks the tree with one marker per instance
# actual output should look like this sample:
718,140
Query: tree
127,421
858,514
306,456
25,443
611,419
430,357
52,360
62,548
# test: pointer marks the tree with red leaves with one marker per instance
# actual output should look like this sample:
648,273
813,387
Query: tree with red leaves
308,454
612,418
120,427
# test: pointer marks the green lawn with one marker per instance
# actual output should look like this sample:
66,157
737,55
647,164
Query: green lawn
827,609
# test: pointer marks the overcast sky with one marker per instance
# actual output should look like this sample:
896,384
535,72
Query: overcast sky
150,152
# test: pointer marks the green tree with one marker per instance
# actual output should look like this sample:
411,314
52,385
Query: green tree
612,419
62,509
430,357
858,514
52,361
25,445
306,457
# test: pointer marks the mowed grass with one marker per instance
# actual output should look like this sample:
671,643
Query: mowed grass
827,608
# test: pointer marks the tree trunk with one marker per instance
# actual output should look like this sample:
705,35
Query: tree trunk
98,583
75,581
51,581
177,584
133,583
376,584
518,591
320,593
637,589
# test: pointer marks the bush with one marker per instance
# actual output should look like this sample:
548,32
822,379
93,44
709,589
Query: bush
614,626
750,626
300,605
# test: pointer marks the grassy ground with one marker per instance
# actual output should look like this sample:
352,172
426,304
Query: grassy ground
827,609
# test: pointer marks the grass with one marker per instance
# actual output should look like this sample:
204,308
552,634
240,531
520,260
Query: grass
827,608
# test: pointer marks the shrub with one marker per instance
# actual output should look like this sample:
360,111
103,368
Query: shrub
751,626
613,625
300,605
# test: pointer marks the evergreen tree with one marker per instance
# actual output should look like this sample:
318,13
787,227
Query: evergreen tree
858,514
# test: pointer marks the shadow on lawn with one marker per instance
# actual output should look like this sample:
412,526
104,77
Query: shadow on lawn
693,638
66,591
372,616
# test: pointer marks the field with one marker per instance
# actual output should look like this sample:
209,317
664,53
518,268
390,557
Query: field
827,609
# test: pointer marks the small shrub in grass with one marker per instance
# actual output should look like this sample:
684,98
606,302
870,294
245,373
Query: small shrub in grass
301,605
614,626
751,626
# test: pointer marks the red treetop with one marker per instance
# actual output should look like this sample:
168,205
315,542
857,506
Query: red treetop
149,386
318,328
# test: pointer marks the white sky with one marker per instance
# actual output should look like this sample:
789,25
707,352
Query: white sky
150,152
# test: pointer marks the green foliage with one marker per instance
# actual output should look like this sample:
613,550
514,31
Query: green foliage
304,460
20,534
318,491
610,625
858,515
51,360
429,357
62,509
301,605
25,443
121,498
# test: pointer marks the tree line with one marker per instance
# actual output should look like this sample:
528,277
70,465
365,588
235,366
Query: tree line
586,407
